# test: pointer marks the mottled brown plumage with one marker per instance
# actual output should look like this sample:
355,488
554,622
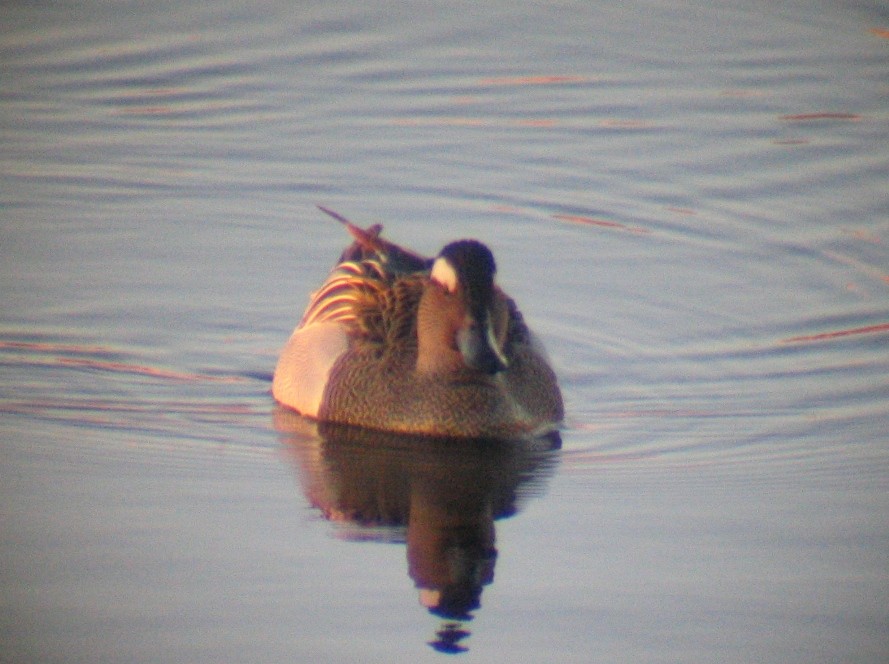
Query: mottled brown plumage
413,353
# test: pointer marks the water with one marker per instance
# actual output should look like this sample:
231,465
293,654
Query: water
690,205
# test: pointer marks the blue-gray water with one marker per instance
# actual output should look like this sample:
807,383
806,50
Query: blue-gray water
689,203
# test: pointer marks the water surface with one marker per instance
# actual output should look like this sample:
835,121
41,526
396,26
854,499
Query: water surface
688,203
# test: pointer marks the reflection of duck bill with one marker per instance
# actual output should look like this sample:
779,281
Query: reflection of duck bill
447,639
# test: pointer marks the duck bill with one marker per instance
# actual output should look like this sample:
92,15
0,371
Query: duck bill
479,348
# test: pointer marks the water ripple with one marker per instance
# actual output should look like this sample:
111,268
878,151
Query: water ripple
60,381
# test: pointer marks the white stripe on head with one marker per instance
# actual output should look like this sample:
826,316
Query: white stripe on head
494,344
444,274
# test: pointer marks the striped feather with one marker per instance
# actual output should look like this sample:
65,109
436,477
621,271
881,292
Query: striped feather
352,287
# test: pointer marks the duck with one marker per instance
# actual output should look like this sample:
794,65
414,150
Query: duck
399,342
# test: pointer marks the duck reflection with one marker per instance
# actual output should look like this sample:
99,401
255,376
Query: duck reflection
439,496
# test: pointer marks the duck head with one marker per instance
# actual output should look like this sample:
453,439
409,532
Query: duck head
461,321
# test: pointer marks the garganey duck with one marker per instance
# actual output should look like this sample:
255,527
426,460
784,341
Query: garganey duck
398,342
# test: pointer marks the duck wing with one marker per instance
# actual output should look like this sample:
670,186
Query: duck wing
373,290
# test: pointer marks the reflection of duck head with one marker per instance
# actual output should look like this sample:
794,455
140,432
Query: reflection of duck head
441,496
450,535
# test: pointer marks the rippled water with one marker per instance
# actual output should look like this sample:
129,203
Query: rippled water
690,205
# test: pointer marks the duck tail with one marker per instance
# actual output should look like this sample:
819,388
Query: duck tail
368,245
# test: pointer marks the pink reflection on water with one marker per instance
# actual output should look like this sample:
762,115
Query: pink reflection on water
836,334
603,223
